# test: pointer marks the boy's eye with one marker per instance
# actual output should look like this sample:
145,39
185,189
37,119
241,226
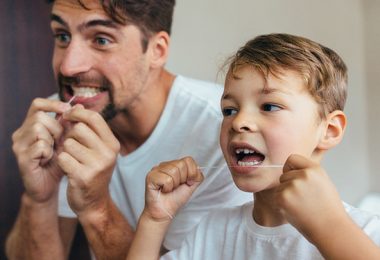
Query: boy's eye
229,111
270,107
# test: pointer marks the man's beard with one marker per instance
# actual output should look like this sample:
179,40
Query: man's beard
109,111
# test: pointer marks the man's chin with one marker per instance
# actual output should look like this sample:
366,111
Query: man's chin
109,112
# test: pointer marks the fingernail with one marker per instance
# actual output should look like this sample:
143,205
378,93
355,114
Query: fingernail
64,107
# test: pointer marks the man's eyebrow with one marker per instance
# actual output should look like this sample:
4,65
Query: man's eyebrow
100,22
91,23
58,19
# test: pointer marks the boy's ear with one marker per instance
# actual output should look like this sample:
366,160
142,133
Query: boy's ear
159,49
334,130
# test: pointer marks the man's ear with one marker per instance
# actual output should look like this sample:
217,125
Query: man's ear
334,130
159,49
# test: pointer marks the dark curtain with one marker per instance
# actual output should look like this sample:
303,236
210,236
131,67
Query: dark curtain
25,73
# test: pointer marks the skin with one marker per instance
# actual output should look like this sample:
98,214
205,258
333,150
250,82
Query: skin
278,118
79,143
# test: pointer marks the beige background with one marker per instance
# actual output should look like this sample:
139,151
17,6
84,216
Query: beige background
206,32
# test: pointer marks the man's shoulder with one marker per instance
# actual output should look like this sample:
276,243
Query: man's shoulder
198,85
204,93
53,96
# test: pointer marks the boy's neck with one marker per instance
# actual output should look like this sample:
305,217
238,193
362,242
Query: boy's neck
264,213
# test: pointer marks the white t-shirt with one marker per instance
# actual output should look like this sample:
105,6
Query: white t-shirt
233,234
189,126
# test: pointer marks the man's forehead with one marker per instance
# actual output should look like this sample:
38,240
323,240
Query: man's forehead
78,5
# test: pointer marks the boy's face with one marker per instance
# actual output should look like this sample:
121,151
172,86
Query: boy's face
105,56
264,122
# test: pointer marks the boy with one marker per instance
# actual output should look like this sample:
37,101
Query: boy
282,107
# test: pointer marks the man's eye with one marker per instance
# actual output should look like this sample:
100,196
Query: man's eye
270,107
62,38
229,111
101,41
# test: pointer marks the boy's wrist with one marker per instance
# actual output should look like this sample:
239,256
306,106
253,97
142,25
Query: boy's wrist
323,229
147,219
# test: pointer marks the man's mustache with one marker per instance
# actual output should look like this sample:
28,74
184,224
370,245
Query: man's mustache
101,81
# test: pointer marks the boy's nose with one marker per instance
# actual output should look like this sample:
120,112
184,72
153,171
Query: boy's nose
244,123
76,59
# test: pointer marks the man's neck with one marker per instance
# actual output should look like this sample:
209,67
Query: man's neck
135,126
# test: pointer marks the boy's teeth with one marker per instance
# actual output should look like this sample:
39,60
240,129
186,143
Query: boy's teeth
245,151
240,163
85,92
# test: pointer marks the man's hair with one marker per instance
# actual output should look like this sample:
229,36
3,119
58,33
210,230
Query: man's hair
150,16
324,72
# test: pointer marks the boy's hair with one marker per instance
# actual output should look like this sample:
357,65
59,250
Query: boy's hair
150,16
324,72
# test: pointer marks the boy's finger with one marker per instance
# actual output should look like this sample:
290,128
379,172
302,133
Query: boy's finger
297,162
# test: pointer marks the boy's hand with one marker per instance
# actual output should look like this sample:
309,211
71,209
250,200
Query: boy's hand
307,198
169,186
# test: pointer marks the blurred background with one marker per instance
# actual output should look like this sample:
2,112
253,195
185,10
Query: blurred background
205,33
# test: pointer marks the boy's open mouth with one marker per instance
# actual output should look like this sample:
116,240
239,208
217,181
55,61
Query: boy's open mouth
248,157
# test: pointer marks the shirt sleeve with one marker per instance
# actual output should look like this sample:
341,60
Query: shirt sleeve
64,209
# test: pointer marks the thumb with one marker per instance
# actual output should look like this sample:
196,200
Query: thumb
297,162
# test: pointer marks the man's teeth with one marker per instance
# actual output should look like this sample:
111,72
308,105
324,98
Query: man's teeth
85,92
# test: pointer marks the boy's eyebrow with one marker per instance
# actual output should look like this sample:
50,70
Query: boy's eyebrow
92,23
267,90
226,96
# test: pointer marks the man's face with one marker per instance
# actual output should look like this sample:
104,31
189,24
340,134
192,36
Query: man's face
264,122
96,59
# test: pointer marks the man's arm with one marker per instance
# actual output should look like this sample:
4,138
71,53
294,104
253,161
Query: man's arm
36,233
108,232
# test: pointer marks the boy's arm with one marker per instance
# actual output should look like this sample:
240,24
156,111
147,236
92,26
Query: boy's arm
168,187
310,202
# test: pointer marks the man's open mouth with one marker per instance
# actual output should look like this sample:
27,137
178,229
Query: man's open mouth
248,157
85,92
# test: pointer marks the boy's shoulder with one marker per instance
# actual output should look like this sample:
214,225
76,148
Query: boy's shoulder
228,216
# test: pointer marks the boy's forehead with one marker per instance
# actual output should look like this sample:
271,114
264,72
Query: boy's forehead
284,81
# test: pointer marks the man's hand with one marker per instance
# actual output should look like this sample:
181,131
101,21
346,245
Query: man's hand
33,146
88,155
169,186
307,197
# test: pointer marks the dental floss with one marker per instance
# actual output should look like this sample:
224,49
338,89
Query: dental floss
68,102
162,207
71,99
215,167
250,166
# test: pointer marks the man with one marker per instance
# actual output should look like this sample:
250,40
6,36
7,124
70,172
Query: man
89,163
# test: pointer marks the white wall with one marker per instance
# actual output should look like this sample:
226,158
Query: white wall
372,22
205,32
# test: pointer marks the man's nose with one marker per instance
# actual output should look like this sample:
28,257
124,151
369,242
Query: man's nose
245,121
76,59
